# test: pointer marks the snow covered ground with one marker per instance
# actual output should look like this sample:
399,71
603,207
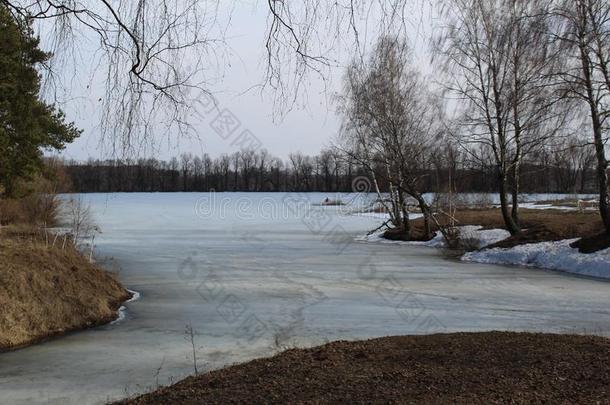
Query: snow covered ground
380,215
548,255
538,206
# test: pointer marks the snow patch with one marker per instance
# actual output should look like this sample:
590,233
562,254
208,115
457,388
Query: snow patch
380,215
537,206
480,237
548,255
483,237
134,296
383,215
123,310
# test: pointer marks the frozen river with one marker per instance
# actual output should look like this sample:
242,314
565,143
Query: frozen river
254,273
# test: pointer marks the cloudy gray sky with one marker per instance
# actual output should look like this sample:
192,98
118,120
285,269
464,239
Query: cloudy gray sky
307,128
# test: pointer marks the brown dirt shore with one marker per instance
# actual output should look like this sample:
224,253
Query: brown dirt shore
539,225
48,290
459,368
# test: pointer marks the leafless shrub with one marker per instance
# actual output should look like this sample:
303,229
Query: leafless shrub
458,241
446,201
78,218
157,372
38,206
190,337
41,209
10,211
482,200
452,237
281,340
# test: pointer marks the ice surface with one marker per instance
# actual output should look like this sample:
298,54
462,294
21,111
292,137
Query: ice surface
253,272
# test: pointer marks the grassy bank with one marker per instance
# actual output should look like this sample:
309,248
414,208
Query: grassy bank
49,289
464,368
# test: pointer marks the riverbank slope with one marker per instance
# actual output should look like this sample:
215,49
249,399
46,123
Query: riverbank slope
48,288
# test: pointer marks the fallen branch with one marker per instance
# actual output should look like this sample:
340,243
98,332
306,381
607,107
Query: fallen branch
378,228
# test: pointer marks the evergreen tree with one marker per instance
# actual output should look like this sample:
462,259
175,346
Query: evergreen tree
28,126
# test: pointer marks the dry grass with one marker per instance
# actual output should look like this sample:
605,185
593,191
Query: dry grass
47,290
564,224
11,212
37,209
540,224
570,202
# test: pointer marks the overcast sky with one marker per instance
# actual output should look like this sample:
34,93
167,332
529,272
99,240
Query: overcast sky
307,129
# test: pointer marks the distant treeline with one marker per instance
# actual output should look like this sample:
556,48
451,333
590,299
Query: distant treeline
326,172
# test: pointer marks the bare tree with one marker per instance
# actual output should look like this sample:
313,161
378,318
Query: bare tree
302,36
186,168
571,159
499,61
391,125
583,30
153,55
157,57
